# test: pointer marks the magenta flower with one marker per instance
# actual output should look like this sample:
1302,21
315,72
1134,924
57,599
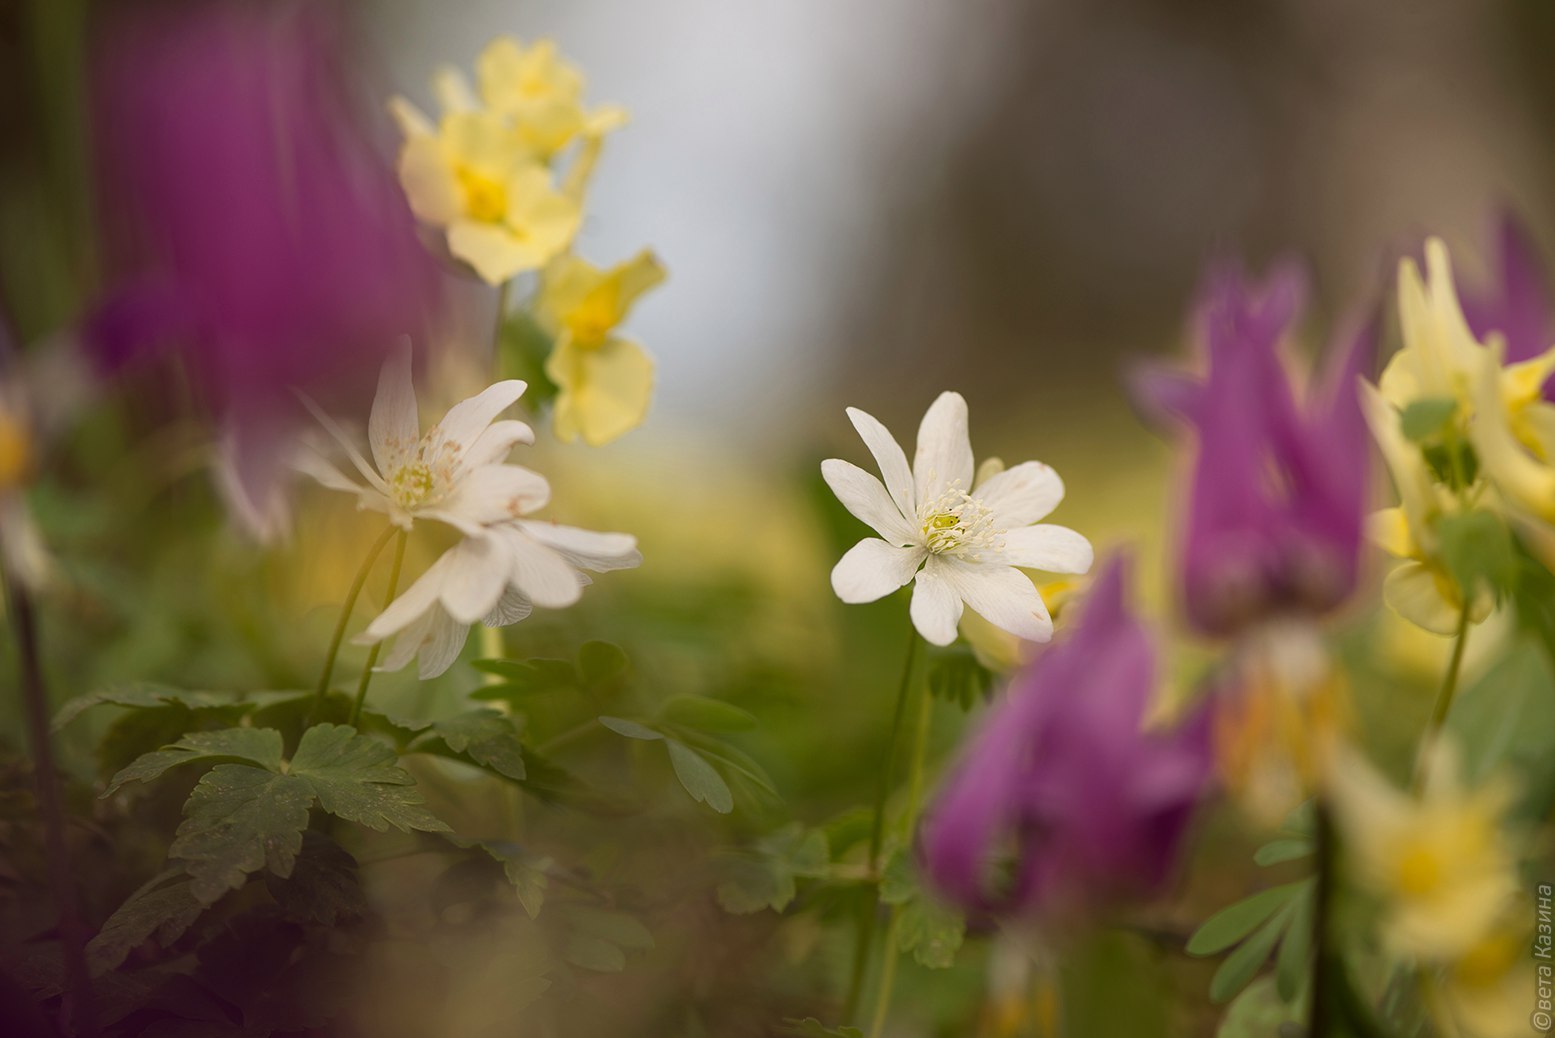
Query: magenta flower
1516,304
1063,801
1278,493
251,226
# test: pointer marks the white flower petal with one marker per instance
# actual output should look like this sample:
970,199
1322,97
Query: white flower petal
1414,592
497,493
474,578
865,496
540,573
467,420
935,608
944,454
441,646
1003,596
512,607
889,456
493,445
1055,549
1022,495
412,603
344,439
872,569
600,552
394,427
313,465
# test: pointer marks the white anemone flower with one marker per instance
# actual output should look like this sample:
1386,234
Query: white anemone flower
455,473
496,579
958,543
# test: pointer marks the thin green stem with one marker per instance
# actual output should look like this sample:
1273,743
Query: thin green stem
570,736
346,609
1323,963
1443,702
866,923
51,811
914,800
372,654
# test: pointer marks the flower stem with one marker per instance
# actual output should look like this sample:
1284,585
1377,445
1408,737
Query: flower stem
914,797
1323,965
345,618
51,810
1443,702
372,654
866,925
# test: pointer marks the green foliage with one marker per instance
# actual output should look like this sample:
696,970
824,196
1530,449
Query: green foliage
599,940
164,907
810,1027
1280,916
240,819
765,876
1424,420
258,746
689,727
1505,724
1477,550
1260,1012
522,349
1454,462
955,676
483,737
931,931
599,674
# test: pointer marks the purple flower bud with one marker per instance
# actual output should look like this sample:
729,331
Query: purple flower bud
250,225
1278,491
1064,801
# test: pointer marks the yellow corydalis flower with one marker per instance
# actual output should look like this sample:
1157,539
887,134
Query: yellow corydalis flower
1440,864
605,381
485,170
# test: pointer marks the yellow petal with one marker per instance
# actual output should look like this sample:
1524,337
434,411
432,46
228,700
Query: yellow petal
543,217
1422,596
452,91
412,121
1526,481
494,251
604,391
429,181
1388,529
482,143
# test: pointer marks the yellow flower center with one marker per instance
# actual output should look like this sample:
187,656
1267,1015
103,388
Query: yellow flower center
412,484
591,320
958,524
15,452
1489,960
485,199
1418,871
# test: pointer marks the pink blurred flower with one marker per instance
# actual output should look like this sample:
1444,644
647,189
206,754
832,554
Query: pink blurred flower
1064,801
251,225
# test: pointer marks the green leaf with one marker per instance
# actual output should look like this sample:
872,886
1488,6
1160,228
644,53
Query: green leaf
145,695
526,677
765,878
1229,925
708,715
955,676
1476,548
898,880
258,746
1258,1012
733,758
1243,964
529,876
700,778
1505,722
323,887
598,939
1295,959
931,931
1424,420
1455,464
630,729
159,908
484,737
810,1027
357,778
1277,852
601,664
240,819
593,953
522,349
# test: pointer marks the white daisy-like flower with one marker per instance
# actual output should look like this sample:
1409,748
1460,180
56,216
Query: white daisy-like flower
496,579
455,473
958,543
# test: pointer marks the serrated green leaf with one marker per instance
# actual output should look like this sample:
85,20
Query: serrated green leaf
165,907
240,819
803,851
484,737
1229,925
753,884
144,695
1423,420
898,880
1276,852
704,714
1293,963
700,778
357,778
1243,964
323,887
631,729
931,931
259,746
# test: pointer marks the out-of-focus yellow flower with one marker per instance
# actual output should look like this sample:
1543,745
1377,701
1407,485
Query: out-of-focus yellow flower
1279,719
471,176
541,94
22,553
1514,439
1488,991
605,380
1441,864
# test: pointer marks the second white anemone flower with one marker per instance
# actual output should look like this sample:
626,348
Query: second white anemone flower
959,544
455,473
